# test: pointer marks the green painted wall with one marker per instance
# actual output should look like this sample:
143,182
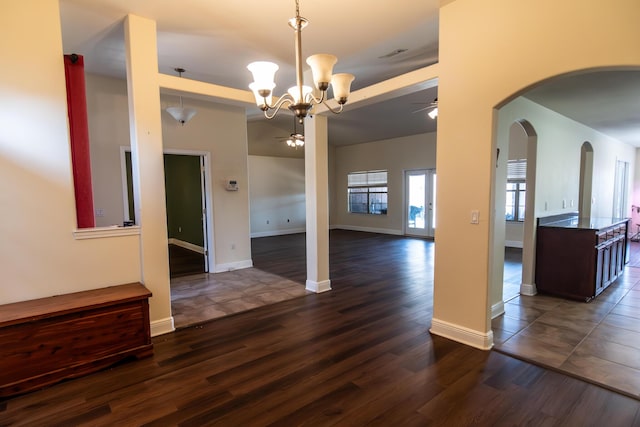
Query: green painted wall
184,198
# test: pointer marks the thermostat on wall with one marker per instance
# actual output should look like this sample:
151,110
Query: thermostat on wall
231,184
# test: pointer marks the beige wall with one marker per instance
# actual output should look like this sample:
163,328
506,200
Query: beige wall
395,155
267,138
39,256
108,116
218,130
528,42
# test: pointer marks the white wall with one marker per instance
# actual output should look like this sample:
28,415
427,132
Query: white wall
395,155
635,198
216,129
558,160
276,192
39,256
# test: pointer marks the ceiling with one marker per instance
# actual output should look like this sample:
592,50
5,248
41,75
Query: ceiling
214,40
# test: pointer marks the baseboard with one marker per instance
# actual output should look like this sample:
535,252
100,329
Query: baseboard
186,245
481,340
230,266
278,232
163,326
513,244
318,287
528,289
368,229
497,309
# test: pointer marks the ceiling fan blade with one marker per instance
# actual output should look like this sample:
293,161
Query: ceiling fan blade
423,109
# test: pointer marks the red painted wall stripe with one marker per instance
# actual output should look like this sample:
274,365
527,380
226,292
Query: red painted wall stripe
79,133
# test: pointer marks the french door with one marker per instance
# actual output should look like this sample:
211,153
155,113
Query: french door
420,202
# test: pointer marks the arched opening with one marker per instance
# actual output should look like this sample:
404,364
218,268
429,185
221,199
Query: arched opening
575,168
527,285
514,221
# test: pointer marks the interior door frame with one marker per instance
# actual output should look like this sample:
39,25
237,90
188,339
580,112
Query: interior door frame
429,230
207,196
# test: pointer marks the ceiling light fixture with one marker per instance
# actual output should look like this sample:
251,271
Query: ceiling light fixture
295,140
434,109
181,114
300,97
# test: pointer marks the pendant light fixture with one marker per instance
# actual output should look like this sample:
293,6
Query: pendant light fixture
181,114
300,98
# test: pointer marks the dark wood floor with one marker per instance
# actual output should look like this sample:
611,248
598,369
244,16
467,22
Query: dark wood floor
360,355
184,262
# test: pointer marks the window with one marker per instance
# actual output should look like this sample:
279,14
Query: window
516,189
620,189
367,192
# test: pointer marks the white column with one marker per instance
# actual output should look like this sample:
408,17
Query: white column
148,166
316,167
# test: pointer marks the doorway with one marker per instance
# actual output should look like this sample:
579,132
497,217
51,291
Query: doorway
187,200
186,213
420,203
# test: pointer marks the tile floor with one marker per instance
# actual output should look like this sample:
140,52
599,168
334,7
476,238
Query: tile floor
201,297
598,341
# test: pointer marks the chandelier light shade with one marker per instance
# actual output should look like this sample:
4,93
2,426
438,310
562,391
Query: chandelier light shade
300,98
181,114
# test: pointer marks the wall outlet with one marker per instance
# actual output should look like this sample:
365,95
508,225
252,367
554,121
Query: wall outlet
99,212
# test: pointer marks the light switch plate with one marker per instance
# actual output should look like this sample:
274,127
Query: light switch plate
475,217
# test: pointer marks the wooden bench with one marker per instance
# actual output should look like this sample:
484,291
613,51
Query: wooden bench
46,340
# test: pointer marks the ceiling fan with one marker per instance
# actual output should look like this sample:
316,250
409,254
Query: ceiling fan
432,109
295,139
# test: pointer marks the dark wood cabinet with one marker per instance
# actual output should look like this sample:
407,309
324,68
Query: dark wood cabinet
577,257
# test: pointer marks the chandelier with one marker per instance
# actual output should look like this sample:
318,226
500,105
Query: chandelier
300,98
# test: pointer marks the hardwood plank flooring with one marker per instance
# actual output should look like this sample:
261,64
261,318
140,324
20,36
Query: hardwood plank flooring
360,355
184,262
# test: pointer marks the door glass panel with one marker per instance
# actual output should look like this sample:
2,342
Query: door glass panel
433,202
417,201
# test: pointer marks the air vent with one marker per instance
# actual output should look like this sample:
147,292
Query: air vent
392,53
